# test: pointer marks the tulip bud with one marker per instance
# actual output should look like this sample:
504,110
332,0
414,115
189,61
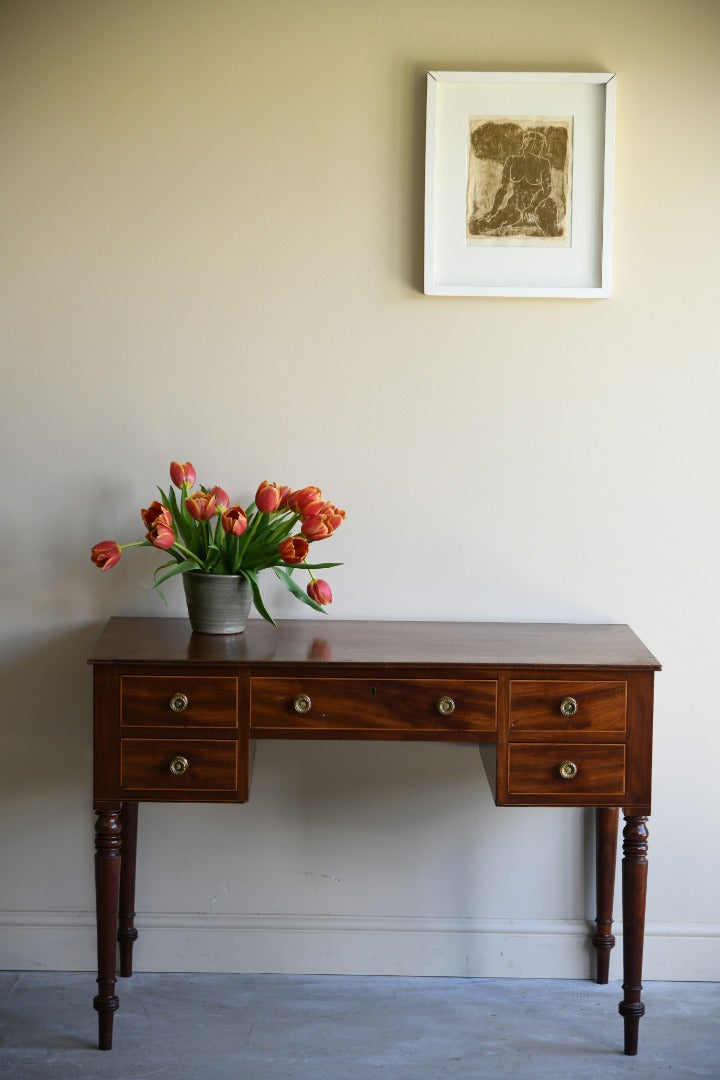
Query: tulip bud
222,499
319,591
234,520
294,550
105,554
201,505
182,476
267,497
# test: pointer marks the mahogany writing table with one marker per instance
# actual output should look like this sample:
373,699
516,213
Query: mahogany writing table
563,715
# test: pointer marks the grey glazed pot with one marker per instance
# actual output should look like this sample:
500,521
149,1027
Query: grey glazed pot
217,603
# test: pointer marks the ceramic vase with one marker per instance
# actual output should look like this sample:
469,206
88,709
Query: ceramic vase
217,603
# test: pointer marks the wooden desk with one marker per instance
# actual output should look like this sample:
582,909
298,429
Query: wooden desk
563,715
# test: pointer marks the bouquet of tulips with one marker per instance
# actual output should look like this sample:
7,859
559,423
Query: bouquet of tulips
201,530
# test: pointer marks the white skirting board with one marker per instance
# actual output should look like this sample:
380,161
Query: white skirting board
332,945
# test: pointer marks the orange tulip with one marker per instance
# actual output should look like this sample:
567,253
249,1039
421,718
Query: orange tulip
294,550
317,527
182,476
319,591
334,516
234,520
222,499
161,535
154,512
305,501
201,505
105,554
267,497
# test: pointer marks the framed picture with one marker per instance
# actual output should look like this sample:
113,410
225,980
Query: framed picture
519,183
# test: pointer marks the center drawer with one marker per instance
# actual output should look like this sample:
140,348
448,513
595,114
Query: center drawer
402,708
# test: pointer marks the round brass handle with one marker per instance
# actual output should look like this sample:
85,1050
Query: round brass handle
568,706
179,765
568,770
445,705
302,704
179,702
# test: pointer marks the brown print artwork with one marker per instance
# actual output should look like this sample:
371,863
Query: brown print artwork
519,180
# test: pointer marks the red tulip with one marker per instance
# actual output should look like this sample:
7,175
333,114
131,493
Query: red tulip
105,554
234,520
154,512
161,535
182,475
319,591
285,492
334,516
305,501
294,550
316,527
267,497
201,505
222,499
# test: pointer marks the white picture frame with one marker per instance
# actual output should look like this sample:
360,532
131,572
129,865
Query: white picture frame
460,259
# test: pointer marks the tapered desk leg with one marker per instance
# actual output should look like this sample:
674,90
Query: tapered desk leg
127,934
634,890
606,834
107,884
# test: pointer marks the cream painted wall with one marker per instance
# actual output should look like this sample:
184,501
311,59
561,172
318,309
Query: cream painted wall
211,224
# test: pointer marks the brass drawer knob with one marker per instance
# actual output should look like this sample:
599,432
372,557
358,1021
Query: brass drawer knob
568,706
445,705
179,702
568,770
302,704
179,765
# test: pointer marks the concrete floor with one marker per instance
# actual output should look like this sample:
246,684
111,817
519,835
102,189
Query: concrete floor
294,1027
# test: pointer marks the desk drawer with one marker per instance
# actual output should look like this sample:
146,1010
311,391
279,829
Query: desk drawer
566,770
167,765
567,706
179,701
405,708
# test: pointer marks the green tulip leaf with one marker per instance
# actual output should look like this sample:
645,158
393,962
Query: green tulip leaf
315,565
177,568
251,576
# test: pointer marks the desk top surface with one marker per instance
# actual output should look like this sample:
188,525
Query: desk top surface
522,645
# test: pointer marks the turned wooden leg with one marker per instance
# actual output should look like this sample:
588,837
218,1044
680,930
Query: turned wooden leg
127,934
606,834
634,889
107,883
